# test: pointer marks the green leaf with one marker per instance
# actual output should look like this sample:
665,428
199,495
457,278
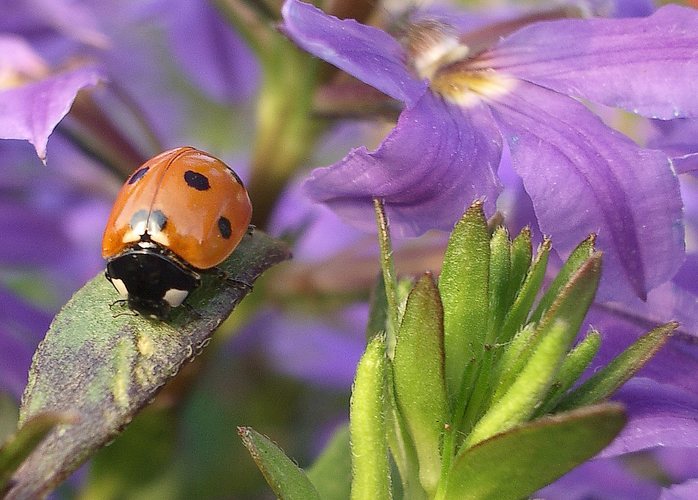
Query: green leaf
521,255
23,442
369,446
570,305
606,381
331,472
572,368
107,364
576,259
529,388
519,462
464,284
526,296
500,269
285,478
419,385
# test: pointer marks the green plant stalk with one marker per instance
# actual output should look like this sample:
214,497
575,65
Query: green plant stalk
388,269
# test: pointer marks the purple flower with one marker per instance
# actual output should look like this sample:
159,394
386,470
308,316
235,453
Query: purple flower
464,102
32,102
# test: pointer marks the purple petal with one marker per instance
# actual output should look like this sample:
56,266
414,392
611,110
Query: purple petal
645,65
683,491
210,52
31,112
679,138
18,60
436,161
583,177
369,54
21,329
600,478
659,415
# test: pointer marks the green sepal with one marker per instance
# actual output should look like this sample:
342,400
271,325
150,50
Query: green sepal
529,388
464,285
519,462
331,471
418,368
284,477
576,361
500,269
570,305
606,381
577,258
23,442
367,425
107,364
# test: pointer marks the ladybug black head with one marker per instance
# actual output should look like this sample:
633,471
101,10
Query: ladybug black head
151,281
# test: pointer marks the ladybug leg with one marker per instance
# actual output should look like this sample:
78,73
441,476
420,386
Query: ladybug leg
122,303
192,310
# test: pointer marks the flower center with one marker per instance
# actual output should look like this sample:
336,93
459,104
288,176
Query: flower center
437,54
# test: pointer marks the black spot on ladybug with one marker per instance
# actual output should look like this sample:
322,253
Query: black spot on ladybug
196,180
224,227
135,177
138,218
157,221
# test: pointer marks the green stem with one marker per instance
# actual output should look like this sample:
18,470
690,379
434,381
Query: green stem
388,267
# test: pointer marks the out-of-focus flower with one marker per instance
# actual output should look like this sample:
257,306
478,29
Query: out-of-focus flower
462,99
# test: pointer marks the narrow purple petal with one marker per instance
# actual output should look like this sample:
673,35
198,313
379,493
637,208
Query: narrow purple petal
646,65
369,54
210,52
436,161
21,328
659,415
31,112
583,178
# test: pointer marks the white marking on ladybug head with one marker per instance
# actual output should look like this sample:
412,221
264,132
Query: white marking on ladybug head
160,237
120,287
175,297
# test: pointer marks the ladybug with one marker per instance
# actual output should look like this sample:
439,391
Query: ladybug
180,214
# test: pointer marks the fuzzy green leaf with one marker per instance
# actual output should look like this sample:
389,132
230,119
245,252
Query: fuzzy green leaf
577,360
570,305
285,478
576,259
522,460
606,381
521,255
106,364
369,446
526,296
529,388
464,284
418,369
331,472
23,442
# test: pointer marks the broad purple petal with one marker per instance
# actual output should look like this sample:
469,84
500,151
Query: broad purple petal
659,415
436,161
31,112
369,54
645,65
583,178
600,478
682,491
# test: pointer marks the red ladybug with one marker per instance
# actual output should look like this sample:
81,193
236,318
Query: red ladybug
180,213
